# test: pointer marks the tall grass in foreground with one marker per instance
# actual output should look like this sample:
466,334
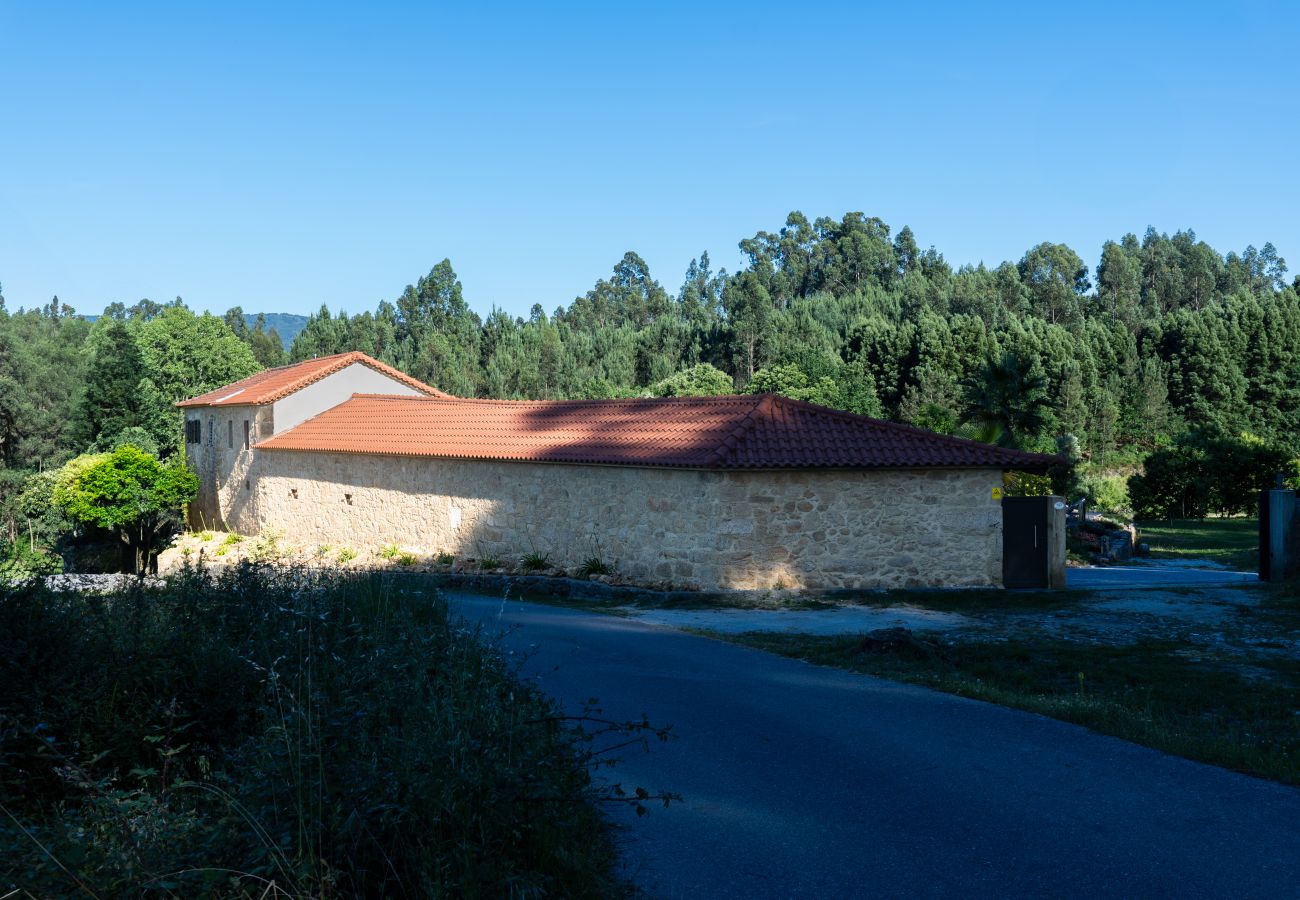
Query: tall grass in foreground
268,735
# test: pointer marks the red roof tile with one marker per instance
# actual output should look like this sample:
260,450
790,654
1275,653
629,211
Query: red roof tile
270,385
738,432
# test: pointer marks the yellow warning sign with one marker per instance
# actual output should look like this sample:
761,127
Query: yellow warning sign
997,493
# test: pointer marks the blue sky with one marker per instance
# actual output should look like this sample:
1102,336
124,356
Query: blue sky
281,158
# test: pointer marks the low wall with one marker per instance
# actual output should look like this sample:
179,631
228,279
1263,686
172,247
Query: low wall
691,529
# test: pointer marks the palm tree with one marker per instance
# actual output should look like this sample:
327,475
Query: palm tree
1007,397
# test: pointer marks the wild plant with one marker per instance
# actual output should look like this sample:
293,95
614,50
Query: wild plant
534,561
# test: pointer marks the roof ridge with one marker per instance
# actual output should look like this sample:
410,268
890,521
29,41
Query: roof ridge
905,428
612,401
278,382
728,443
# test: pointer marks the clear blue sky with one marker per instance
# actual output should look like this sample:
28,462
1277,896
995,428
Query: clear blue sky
278,156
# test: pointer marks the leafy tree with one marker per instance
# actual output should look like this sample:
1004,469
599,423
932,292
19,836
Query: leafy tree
749,309
701,380
267,347
1065,477
1056,278
185,355
1204,472
41,379
789,381
130,493
111,400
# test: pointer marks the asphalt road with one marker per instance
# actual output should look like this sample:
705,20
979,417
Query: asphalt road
801,781
1100,578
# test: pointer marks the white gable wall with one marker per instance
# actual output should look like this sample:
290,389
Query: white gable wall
228,470
330,391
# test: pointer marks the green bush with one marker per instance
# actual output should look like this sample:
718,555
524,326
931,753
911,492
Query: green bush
331,734
1108,493
19,561
1203,473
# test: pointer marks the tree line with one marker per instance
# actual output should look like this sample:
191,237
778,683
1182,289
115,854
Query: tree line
1166,338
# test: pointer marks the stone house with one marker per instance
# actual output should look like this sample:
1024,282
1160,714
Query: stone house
742,492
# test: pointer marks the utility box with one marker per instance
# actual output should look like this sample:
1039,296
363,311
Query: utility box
1033,542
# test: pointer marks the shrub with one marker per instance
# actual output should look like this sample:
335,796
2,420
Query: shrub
446,559
489,562
330,733
595,566
231,540
535,562
18,561
1205,472
392,551
346,554
265,548
1108,493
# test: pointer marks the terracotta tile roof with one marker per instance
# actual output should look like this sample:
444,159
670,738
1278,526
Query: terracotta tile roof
270,385
739,432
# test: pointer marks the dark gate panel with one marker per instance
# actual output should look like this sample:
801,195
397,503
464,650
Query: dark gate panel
1025,542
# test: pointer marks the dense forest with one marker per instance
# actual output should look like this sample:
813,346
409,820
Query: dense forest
1167,346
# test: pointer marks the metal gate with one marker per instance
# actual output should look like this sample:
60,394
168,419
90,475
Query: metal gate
1026,554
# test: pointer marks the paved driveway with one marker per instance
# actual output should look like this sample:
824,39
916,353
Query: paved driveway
1154,576
802,781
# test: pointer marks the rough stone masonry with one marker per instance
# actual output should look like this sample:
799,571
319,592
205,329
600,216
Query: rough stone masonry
693,529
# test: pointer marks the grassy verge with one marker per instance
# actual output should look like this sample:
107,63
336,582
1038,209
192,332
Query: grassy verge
1150,692
1232,542
286,735
962,601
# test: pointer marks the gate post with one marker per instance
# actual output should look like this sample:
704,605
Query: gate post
1277,534
1056,542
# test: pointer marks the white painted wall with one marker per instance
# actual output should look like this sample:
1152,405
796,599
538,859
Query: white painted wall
332,390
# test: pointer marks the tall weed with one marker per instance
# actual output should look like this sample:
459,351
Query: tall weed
326,735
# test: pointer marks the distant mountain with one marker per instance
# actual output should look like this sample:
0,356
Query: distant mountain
287,325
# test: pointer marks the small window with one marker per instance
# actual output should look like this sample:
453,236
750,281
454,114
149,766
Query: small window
192,431
246,432
230,433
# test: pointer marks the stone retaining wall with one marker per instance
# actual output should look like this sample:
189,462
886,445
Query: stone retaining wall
691,529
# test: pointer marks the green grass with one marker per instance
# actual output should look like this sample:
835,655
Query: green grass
1151,692
1232,542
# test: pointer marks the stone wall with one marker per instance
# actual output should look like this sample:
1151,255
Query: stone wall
693,529
227,472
